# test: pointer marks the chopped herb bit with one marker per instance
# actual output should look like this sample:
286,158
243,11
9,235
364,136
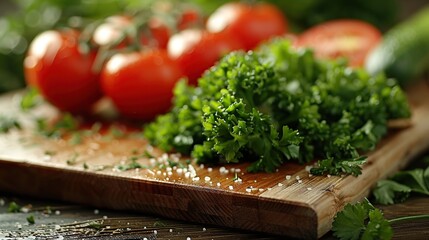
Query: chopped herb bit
85,166
50,153
7,124
76,138
159,224
148,154
135,151
96,127
95,225
30,99
30,219
116,132
66,124
172,163
13,207
47,210
235,177
132,165
72,159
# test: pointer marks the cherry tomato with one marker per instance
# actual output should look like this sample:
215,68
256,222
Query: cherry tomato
197,50
140,84
190,18
159,34
352,39
252,24
62,74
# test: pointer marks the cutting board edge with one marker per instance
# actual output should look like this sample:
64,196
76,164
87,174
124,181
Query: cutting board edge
245,211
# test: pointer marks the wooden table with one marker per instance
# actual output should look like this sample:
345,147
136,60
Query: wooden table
75,221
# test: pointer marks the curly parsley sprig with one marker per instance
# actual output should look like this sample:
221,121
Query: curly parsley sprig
280,104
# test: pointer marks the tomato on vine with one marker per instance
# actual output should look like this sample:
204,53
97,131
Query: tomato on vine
140,84
197,50
63,75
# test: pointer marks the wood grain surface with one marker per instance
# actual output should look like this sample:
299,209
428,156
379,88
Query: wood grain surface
289,202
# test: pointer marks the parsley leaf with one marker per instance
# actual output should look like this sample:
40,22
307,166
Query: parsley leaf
398,188
361,221
378,227
390,192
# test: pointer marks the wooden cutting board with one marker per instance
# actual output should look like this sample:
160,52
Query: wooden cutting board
289,202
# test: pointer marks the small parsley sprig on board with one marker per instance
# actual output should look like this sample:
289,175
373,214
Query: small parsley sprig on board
279,104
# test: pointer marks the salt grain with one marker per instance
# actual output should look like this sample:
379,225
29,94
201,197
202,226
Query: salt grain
196,179
231,188
209,169
207,179
309,188
288,177
96,211
280,184
57,212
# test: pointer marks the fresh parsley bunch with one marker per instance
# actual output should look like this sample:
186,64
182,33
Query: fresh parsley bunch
280,104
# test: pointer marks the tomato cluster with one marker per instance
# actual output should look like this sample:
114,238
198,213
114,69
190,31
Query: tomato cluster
73,75
136,60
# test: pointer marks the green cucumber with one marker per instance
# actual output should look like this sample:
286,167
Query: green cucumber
404,51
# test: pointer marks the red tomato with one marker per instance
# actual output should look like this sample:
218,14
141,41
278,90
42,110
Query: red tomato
352,39
140,84
196,50
190,18
252,24
159,34
55,66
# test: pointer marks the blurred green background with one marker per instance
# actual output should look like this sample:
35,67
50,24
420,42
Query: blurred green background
22,20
